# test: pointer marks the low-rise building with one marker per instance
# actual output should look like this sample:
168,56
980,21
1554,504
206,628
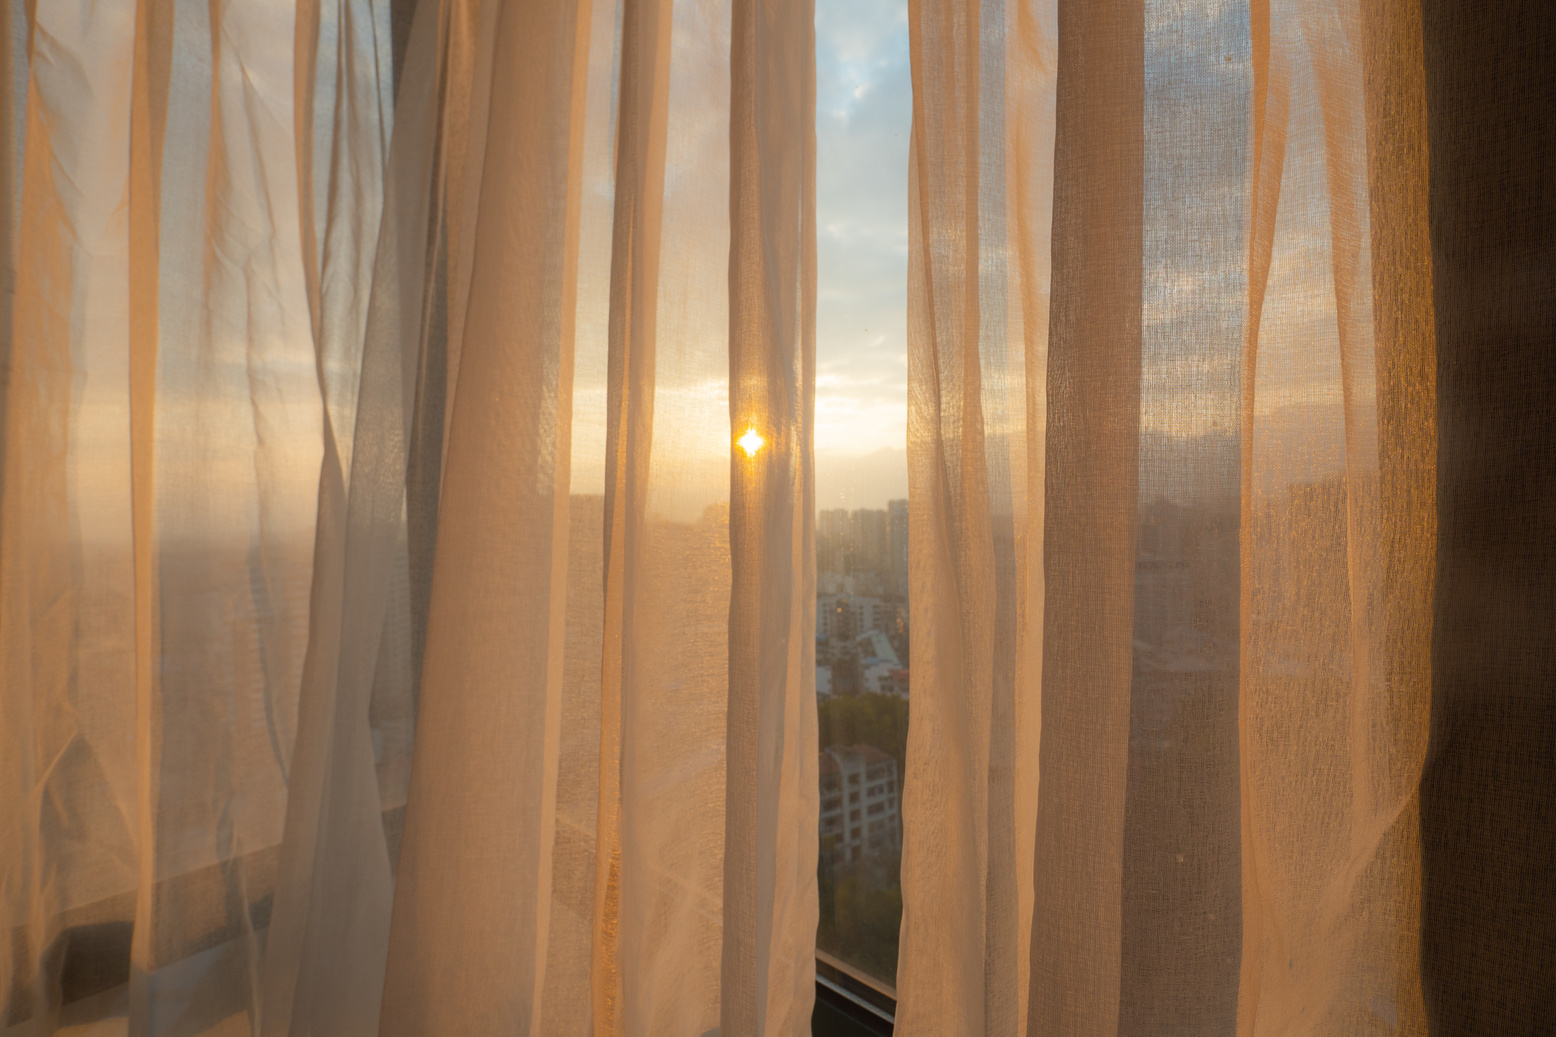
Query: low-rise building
874,647
860,819
844,617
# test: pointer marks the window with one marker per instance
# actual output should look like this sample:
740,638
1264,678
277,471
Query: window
863,116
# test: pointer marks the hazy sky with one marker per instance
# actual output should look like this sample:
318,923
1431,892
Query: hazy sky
863,113
1197,74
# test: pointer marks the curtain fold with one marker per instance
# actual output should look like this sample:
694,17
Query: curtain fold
772,796
642,119
324,957
664,668
1092,467
65,744
288,485
487,727
1334,566
979,213
1239,826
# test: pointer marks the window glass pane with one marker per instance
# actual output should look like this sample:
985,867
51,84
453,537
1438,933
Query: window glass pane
863,114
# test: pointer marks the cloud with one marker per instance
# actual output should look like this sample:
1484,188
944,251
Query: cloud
863,116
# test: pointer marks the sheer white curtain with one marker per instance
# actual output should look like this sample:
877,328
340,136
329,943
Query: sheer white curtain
1195,744
290,485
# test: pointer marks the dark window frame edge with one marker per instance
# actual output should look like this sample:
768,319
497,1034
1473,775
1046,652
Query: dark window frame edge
863,998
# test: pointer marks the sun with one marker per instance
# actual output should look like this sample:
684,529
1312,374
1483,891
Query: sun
751,442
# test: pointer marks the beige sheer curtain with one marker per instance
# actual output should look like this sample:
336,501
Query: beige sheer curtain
406,518
372,378
1208,734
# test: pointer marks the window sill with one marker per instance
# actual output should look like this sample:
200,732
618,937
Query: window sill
849,1003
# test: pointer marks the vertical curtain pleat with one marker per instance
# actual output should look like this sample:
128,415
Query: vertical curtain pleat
13,121
980,191
1181,883
642,117
658,447
1269,103
324,959
60,745
16,965
472,894
1030,64
148,125
237,454
566,1011
951,565
771,791
1406,357
1090,518
1337,539
470,33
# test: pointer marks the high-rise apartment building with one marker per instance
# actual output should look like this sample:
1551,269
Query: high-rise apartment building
854,542
897,544
833,523
868,539
832,538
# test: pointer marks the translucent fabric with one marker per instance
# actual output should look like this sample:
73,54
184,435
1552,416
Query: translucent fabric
407,518
1195,746
980,195
290,487
170,348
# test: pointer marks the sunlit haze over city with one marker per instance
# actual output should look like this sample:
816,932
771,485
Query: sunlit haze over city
863,115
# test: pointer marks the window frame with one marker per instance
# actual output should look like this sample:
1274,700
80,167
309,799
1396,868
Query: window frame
868,1003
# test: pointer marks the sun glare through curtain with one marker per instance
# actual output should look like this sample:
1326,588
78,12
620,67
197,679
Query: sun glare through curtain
372,375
